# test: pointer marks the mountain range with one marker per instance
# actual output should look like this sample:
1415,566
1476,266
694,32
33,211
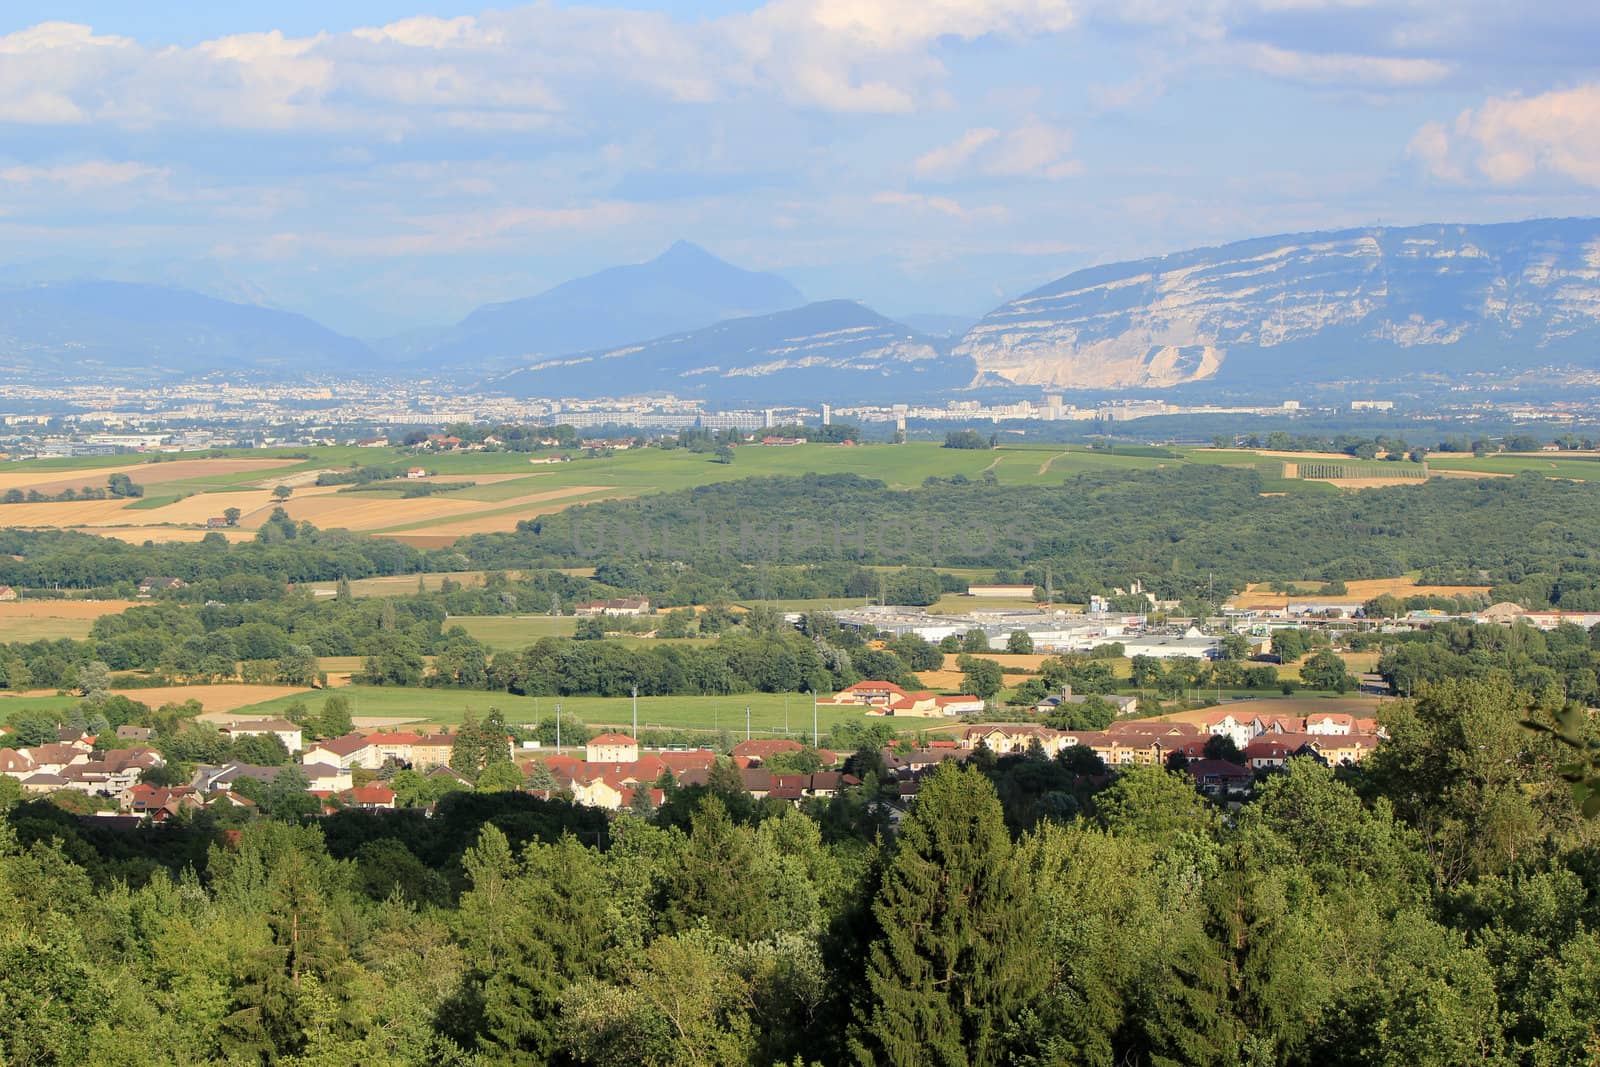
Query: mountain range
1376,303
1310,307
682,289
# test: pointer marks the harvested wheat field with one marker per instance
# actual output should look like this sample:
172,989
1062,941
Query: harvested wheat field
145,474
162,535
38,620
54,514
213,698
1358,592
1361,706
947,681
1368,483
1009,662
505,514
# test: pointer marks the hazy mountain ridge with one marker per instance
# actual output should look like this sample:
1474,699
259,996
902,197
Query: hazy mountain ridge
1315,306
74,329
1361,304
682,289
831,348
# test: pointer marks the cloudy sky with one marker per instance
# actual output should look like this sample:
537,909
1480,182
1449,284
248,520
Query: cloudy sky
388,164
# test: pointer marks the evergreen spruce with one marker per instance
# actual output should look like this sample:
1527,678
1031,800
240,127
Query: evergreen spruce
955,963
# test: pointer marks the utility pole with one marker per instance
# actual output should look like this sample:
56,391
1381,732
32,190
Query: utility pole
786,715
636,713
747,722
558,726
815,737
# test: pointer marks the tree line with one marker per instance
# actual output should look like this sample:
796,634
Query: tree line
1435,907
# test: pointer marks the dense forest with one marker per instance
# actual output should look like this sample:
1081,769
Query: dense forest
1186,533
1435,907
1181,531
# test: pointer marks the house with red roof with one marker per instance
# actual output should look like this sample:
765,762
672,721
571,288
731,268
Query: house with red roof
368,796
1272,750
611,748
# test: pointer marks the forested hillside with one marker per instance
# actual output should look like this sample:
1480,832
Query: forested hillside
1181,531
1436,907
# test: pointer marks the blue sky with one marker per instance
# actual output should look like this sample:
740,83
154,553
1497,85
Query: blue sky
390,166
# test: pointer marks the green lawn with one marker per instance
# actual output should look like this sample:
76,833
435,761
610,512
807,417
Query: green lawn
447,706
12,705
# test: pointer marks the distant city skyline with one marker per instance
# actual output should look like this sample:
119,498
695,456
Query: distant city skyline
385,166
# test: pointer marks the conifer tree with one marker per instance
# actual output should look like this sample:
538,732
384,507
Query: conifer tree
956,962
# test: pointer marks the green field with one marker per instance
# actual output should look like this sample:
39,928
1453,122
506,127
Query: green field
637,472
446,707
11,705
1549,464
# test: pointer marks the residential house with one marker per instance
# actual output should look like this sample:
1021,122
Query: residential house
7,593
867,694
151,586
351,750
368,796
284,730
1003,738
432,751
1270,751
1125,705
327,777
1330,724
757,752
1344,750
1220,778
611,748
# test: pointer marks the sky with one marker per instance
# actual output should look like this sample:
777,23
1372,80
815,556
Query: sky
388,166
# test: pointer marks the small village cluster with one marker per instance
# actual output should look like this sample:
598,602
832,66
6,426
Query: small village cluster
614,772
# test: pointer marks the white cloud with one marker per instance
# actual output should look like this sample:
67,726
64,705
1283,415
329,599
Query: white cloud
91,174
949,158
1509,140
1358,71
940,205
1034,149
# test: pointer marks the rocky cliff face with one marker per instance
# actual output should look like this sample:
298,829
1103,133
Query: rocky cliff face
1310,307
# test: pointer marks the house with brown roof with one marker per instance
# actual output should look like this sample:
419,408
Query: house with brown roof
1220,778
351,750
7,593
866,694
288,733
1270,751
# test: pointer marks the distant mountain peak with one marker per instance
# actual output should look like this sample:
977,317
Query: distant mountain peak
684,288
681,250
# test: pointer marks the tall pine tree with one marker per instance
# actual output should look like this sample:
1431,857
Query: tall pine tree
956,961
